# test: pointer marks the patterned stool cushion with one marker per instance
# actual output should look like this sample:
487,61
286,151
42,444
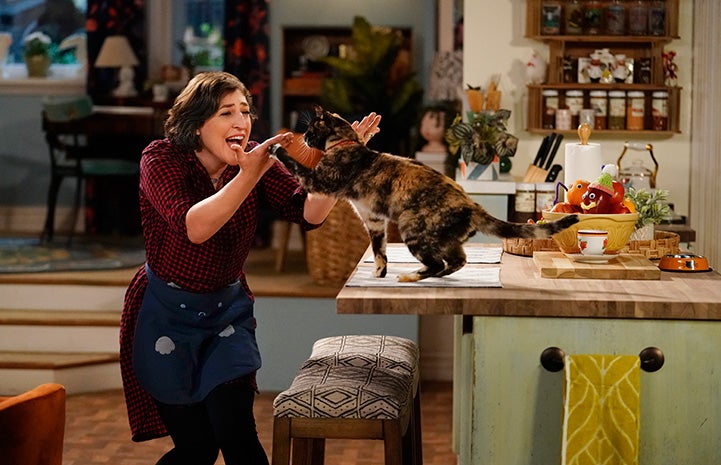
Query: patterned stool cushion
390,352
345,392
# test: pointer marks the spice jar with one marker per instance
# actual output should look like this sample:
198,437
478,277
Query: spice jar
657,18
550,106
573,17
615,18
659,110
593,17
617,110
563,119
599,104
637,18
551,17
574,102
635,111
525,202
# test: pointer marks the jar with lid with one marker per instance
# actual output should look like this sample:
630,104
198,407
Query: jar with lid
635,109
616,18
599,104
574,102
550,106
573,17
616,110
636,176
525,202
659,110
545,195
637,18
551,17
657,18
593,17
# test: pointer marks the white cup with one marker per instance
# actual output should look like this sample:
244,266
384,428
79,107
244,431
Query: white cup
592,241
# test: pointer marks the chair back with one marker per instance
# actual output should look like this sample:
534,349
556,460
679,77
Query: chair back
32,426
64,121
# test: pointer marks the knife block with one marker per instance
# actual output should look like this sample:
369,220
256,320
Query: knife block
535,174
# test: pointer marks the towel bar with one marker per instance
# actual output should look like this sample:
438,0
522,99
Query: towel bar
651,359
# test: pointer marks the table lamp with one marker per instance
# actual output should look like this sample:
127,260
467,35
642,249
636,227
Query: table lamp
117,53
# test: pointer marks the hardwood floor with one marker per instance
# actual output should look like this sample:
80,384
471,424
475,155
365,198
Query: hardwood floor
97,432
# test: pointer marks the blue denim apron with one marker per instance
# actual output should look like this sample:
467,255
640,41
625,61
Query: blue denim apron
188,343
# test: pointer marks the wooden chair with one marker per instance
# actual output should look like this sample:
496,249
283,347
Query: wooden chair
32,426
65,126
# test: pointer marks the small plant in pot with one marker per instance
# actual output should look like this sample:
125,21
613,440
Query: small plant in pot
652,209
37,54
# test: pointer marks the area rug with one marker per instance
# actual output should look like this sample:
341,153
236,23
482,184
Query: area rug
28,255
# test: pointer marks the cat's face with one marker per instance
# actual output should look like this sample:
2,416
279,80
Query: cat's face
327,127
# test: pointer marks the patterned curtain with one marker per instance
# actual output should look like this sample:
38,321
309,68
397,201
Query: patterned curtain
246,54
115,17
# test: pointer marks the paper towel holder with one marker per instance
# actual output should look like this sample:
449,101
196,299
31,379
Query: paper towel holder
652,359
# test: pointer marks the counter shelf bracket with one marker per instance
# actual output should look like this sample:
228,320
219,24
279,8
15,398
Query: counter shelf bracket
652,359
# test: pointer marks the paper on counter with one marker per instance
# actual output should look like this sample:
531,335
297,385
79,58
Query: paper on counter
398,253
468,276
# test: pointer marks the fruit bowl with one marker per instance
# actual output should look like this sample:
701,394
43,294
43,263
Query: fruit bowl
619,226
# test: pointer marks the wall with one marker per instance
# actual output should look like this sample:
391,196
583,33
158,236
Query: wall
495,43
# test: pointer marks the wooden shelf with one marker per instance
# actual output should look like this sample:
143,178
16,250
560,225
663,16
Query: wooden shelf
636,48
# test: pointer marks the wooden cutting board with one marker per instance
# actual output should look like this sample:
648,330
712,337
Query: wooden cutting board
624,266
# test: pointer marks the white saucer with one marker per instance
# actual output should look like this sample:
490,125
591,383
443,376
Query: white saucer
581,258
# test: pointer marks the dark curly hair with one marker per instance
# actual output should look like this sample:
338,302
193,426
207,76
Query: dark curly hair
197,102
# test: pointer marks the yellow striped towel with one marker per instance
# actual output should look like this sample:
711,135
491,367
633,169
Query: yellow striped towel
601,410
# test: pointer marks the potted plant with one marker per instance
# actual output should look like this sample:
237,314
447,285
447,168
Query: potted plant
652,210
37,54
375,75
480,139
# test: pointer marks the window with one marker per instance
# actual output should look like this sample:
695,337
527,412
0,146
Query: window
63,21
200,29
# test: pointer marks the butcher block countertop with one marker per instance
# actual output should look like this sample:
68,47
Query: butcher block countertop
674,295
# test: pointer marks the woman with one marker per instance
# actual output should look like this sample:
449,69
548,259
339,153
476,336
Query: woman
188,351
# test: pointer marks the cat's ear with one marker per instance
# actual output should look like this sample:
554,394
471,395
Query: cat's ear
318,111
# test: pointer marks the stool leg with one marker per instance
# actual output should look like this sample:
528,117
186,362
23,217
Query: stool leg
281,441
308,451
416,425
392,442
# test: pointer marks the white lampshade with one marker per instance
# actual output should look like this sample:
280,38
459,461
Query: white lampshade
117,53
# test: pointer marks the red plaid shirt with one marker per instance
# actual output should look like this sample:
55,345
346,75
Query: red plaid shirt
172,181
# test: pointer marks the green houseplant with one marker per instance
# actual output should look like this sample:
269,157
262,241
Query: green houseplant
651,208
37,54
375,76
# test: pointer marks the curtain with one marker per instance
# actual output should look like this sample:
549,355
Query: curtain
246,54
114,17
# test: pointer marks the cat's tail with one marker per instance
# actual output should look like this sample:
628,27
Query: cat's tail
493,226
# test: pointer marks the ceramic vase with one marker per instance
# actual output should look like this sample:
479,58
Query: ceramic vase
38,65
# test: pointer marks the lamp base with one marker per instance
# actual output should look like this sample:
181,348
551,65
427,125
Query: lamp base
126,86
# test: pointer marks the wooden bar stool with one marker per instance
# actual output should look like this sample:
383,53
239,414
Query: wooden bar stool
343,402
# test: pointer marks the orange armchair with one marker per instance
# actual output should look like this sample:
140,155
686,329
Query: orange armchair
32,426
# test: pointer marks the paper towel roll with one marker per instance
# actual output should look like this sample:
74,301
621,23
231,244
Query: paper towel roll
582,162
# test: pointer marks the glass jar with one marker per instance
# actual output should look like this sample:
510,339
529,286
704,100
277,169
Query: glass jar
550,106
599,104
593,17
616,18
617,110
574,102
551,17
659,110
637,18
525,202
657,18
573,17
563,119
545,195
635,109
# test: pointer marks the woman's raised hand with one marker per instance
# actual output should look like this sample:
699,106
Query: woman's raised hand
367,127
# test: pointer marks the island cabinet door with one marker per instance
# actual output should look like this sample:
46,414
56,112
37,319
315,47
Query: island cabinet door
516,405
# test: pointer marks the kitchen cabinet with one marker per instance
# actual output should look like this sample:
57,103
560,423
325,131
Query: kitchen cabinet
569,53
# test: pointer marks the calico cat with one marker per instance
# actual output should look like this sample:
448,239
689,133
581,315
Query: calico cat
435,216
